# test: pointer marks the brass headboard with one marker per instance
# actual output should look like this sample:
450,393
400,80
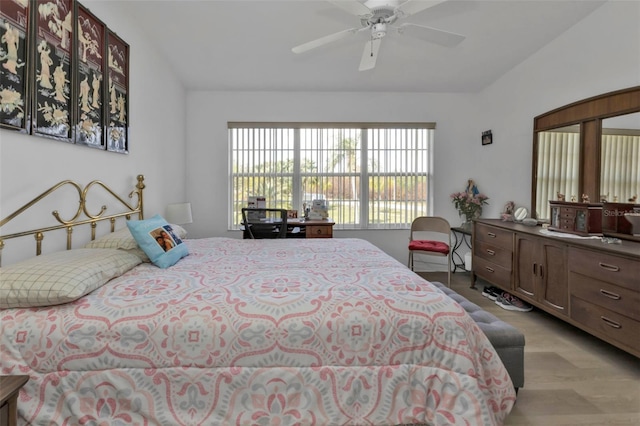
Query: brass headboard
82,215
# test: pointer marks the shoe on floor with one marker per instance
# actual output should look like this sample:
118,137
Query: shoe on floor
512,303
499,299
491,292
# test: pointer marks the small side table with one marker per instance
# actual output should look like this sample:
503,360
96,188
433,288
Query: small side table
9,388
460,236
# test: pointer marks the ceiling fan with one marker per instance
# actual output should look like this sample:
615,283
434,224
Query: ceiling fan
378,17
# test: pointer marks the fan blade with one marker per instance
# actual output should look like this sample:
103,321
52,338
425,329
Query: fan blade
411,7
352,6
370,54
325,40
433,35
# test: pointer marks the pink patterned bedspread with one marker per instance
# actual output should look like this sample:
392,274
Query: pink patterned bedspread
258,332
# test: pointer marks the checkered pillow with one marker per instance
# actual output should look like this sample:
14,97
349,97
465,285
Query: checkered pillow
61,277
121,239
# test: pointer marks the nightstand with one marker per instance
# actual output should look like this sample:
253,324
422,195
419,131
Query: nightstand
9,388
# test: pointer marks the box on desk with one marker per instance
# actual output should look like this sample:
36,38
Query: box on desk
257,202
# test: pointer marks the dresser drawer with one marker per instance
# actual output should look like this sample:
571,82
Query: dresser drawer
567,223
491,272
321,231
499,256
568,213
620,271
496,237
607,295
610,325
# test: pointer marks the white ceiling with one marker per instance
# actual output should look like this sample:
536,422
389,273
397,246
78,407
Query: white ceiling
246,44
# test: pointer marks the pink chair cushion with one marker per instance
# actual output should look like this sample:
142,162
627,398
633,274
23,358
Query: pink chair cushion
432,246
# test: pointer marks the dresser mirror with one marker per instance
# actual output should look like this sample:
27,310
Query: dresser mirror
569,152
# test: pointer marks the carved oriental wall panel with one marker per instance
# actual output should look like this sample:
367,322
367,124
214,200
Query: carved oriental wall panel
63,74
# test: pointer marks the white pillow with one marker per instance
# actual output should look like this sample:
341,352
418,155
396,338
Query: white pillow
122,239
61,277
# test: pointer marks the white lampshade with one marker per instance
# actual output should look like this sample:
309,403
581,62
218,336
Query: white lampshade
179,213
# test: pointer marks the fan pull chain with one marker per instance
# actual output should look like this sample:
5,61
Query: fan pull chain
372,45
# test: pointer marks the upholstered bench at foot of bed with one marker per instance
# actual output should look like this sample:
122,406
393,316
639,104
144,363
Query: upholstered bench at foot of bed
507,340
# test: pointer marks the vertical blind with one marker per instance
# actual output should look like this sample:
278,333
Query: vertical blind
558,168
371,175
620,167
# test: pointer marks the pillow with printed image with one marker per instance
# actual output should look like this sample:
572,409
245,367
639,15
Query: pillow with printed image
157,238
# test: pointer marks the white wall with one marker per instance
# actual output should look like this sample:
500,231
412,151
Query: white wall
209,112
597,55
30,164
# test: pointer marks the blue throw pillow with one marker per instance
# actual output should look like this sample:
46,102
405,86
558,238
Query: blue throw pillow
158,240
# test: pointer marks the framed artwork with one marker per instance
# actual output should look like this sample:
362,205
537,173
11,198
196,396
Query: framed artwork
118,94
52,71
487,137
14,65
89,112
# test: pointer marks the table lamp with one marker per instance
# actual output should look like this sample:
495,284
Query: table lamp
179,213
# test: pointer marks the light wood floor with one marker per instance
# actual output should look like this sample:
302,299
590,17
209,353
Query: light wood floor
571,378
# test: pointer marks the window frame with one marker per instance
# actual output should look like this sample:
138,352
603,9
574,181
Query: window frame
363,175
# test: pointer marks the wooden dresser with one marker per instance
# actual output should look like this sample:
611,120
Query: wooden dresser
588,283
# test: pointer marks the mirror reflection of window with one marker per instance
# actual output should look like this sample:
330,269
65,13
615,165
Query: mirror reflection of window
558,167
620,159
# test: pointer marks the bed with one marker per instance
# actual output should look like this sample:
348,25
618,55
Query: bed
257,332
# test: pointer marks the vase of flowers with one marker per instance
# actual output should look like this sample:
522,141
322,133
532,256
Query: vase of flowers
469,205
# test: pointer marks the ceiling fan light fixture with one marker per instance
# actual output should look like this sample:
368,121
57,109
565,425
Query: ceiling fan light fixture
378,30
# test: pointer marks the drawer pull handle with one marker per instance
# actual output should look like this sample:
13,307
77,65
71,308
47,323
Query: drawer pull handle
491,252
558,307
528,293
489,269
491,234
610,322
608,267
609,294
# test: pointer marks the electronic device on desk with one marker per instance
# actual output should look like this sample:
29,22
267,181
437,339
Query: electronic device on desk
319,210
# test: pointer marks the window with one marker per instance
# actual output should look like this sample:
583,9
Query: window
373,176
